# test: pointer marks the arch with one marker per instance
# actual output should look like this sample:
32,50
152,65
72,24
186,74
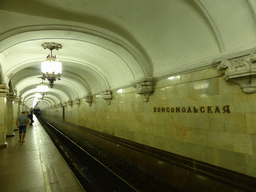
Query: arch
106,40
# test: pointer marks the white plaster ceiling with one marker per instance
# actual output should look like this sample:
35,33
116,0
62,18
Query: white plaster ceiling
109,44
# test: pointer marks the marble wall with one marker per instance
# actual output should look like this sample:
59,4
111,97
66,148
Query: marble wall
197,115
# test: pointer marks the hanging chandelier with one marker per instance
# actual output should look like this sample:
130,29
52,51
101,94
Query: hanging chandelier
42,89
51,68
38,96
36,102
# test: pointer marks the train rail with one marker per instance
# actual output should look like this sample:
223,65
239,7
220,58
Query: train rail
97,174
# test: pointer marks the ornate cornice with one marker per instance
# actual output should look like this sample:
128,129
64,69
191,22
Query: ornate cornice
88,98
107,95
241,71
145,88
78,101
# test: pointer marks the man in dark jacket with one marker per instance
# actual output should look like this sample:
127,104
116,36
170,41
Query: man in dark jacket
30,116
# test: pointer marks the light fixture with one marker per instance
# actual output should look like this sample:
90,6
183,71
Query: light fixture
42,89
51,68
36,102
38,96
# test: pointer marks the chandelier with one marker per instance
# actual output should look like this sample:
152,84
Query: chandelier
42,89
38,96
36,102
51,68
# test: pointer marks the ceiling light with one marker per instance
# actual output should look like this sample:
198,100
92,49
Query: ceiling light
38,96
42,89
51,68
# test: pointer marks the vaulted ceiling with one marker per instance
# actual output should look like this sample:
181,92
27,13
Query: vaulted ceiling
109,44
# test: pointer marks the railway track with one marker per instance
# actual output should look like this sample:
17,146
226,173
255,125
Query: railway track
97,174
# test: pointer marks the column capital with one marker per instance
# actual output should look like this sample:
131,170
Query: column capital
145,88
241,70
11,96
107,95
3,90
17,100
88,98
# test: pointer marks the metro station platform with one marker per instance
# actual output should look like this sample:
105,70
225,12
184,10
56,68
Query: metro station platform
35,165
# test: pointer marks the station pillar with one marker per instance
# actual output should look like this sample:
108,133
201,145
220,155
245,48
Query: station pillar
10,117
3,100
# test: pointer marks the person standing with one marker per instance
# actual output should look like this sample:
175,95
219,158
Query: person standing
21,123
30,116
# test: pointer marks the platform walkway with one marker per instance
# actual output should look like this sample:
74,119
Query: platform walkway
35,165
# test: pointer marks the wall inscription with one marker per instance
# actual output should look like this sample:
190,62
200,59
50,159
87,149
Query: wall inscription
202,109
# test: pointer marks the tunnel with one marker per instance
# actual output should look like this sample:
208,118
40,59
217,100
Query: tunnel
165,87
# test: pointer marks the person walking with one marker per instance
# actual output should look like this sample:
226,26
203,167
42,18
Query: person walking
21,123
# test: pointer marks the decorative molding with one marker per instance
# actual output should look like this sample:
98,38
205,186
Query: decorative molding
107,95
78,101
4,90
17,100
108,35
88,98
241,71
145,88
11,97
70,103
51,45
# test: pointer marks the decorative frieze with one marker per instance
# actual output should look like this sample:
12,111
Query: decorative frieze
241,71
89,98
144,88
107,95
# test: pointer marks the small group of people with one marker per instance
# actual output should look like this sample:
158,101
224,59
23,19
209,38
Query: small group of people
22,122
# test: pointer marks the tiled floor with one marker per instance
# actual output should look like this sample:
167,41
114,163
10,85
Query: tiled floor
35,165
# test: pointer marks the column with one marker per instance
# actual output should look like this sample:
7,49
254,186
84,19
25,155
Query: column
16,111
10,117
3,92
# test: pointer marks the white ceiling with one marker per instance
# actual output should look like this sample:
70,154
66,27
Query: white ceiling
109,44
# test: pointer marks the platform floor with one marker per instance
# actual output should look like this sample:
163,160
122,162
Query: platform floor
35,165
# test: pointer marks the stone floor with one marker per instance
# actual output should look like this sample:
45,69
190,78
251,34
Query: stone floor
35,165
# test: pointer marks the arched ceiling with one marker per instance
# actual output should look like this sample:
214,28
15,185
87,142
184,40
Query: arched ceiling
109,44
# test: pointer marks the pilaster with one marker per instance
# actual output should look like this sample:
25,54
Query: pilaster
3,92
16,111
10,123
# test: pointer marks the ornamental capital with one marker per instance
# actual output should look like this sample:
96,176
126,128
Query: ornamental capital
107,95
88,98
145,88
241,71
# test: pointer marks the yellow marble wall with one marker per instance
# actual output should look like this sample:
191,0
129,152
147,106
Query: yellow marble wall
224,139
